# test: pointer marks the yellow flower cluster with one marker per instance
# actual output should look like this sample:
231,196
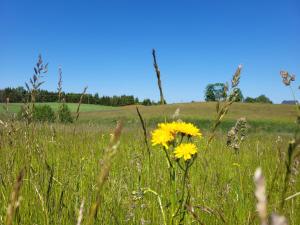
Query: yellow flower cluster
166,133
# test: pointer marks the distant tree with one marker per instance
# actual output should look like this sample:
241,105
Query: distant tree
239,96
259,99
64,114
249,100
14,94
43,113
136,100
19,94
215,92
263,99
146,101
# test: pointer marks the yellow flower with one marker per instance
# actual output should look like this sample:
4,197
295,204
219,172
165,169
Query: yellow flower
168,127
186,129
185,151
161,137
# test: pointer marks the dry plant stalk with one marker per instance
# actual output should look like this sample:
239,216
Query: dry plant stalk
144,130
35,83
260,194
80,214
6,105
59,84
222,108
237,134
261,206
14,199
176,114
290,160
276,219
80,101
35,80
293,154
162,100
287,78
109,154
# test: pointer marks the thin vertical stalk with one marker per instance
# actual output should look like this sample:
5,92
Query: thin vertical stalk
162,100
144,130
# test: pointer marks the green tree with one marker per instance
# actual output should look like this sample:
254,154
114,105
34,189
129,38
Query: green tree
215,92
64,114
239,96
263,99
43,113
249,100
146,101
259,99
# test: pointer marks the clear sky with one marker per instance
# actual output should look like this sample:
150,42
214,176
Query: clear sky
106,44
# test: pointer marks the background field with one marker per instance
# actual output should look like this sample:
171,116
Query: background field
261,117
62,164
15,107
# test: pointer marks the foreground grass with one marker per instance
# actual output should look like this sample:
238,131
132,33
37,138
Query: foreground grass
62,166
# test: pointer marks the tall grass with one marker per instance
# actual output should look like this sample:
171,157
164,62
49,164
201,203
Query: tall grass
221,182
93,176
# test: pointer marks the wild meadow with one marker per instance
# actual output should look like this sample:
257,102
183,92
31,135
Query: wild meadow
194,163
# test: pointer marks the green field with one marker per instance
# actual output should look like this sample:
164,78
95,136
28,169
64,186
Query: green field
15,107
261,117
63,163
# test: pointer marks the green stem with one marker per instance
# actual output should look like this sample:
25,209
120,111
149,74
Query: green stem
181,203
159,202
170,165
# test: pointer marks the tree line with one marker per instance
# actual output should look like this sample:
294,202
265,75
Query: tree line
213,92
20,94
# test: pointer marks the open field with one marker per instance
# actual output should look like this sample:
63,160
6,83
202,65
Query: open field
15,107
149,113
63,162
204,110
261,117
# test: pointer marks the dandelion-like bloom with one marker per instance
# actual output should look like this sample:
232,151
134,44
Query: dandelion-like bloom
161,137
186,129
185,151
167,127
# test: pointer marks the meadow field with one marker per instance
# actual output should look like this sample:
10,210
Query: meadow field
70,178
16,107
149,112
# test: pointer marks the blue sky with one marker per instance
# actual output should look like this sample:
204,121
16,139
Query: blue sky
106,45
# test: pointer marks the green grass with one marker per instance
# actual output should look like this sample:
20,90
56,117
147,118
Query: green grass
15,107
204,110
260,117
62,167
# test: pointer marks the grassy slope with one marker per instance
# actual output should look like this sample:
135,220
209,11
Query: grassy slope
15,107
261,117
204,110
